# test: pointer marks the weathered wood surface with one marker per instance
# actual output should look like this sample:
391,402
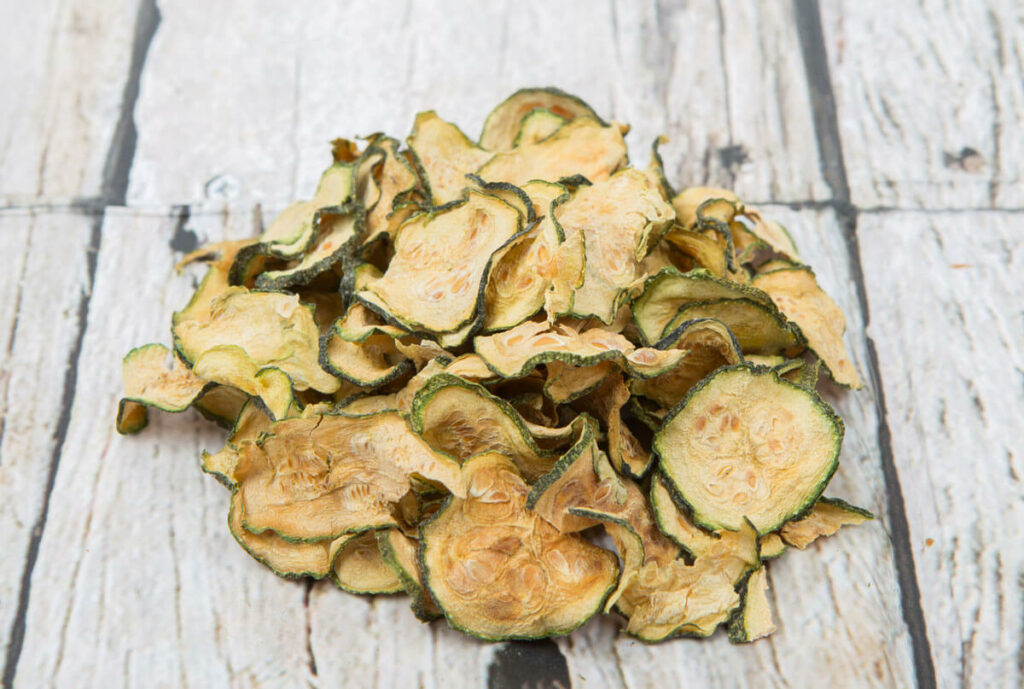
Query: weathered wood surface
129,577
951,357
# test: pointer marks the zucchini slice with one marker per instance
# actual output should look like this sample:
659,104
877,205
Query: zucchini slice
537,125
706,344
797,294
566,383
444,156
436,279
583,146
231,365
398,183
772,546
518,283
746,444
251,422
498,571
675,599
827,517
154,377
505,124
325,476
665,293
627,455
706,253
758,329
363,350
272,328
339,231
752,620
221,404
516,352
462,419
621,219
400,553
286,559
360,568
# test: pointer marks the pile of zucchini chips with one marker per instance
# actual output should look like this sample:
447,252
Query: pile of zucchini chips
467,371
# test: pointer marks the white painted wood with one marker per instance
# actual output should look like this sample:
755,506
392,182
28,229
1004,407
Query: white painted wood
945,299
138,582
43,276
221,115
65,67
918,86
836,604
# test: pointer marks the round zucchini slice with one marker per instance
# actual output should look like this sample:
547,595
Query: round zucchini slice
498,571
504,126
746,444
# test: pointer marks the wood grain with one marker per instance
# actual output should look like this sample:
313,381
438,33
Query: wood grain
68,62
949,343
39,324
256,121
931,99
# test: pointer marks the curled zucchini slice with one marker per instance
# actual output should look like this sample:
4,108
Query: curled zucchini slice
325,476
797,294
359,566
620,219
444,156
503,128
827,517
436,279
752,620
361,349
154,377
499,571
400,554
746,444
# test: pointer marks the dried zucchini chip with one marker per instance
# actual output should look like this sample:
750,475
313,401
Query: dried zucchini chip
397,182
360,568
519,281
154,377
504,125
752,620
230,365
687,203
435,282
827,517
221,404
295,229
627,455
797,294
251,422
772,546
462,419
272,328
708,344
444,156
656,169
566,382
665,293
675,599
499,571
748,444
363,350
705,252
537,125
584,147
285,558
400,553
621,219
758,329
339,231
325,476
516,352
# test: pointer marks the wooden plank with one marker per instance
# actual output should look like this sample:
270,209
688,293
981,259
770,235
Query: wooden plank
69,62
43,282
138,582
944,291
261,132
934,116
837,604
